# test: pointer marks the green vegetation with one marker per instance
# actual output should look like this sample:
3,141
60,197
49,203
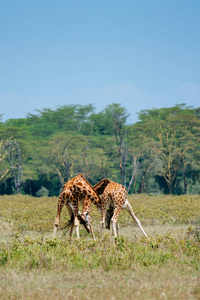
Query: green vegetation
159,154
156,156
38,214
33,265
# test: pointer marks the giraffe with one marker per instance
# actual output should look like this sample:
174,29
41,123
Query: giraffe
113,200
74,191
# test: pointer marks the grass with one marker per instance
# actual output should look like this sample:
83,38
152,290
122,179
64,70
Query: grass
150,283
33,265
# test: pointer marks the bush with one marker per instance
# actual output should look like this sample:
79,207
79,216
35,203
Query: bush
194,189
43,192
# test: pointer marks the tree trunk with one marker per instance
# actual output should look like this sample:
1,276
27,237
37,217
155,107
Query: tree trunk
15,161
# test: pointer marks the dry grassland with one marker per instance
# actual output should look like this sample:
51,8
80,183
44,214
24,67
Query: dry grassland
33,265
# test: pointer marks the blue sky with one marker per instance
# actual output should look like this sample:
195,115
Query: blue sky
140,53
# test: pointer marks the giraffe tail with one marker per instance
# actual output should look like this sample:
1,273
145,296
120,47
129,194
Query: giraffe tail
69,223
108,217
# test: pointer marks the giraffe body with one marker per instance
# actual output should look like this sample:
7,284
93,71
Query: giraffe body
113,200
74,191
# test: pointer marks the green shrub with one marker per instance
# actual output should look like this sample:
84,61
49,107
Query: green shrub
43,192
194,189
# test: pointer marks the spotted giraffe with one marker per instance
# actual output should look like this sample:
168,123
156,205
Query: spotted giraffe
74,191
113,200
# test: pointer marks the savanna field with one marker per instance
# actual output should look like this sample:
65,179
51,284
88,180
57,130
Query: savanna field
33,265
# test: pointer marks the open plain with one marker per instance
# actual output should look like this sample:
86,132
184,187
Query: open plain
33,265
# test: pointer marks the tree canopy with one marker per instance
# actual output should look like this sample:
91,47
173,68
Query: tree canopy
158,154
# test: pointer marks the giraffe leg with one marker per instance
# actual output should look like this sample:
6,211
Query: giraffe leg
55,230
89,222
76,221
114,228
105,203
71,230
115,225
117,228
92,233
70,210
128,207
86,208
103,215
76,224
59,209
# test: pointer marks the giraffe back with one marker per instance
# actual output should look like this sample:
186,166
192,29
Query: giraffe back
113,193
80,188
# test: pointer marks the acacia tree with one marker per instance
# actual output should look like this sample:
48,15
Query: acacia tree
134,169
128,156
119,116
69,155
190,158
175,133
61,157
147,163
170,155
4,170
14,157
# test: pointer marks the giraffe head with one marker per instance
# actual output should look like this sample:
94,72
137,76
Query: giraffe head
85,220
88,222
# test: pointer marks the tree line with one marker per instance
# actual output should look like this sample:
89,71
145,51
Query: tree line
158,154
